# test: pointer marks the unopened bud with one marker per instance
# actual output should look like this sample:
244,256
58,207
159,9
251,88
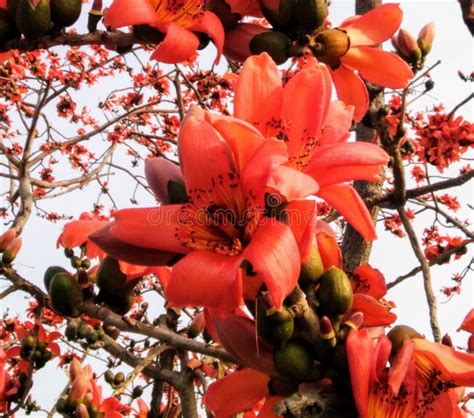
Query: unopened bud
330,45
470,344
399,334
408,46
10,253
446,340
237,41
426,38
81,411
279,13
165,179
33,18
335,292
65,13
7,237
313,269
196,326
293,360
274,43
310,14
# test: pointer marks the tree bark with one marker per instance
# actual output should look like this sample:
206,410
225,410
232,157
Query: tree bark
355,249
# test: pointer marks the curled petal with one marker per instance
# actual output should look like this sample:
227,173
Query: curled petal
375,313
468,322
349,204
374,27
379,67
301,218
351,90
209,23
337,123
366,279
329,250
159,172
179,44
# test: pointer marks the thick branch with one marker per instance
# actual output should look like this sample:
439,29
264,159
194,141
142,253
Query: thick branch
113,39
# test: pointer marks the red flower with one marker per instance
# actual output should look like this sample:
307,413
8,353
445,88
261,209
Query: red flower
314,130
177,20
423,379
226,178
369,288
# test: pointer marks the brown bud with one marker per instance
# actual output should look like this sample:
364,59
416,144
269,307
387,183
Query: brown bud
399,334
330,45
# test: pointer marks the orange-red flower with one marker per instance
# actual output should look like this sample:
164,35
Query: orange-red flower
314,130
423,380
177,20
373,64
228,166
369,288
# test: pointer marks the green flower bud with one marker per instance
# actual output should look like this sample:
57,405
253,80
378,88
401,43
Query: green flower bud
33,18
293,360
66,295
65,12
275,327
335,292
49,274
279,14
275,43
313,269
109,376
119,378
310,14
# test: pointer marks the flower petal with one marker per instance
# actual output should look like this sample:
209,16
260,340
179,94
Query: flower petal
205,278
454,366
366,279
236,392
153,228
291,183
258,92
242,138
349,204
127,13
374,27
337,123
379,67
301,217
304,117
468,322
329,250
127,252
351,90
359,356
274,255
203,154
209,23
342,162
375,313
179,44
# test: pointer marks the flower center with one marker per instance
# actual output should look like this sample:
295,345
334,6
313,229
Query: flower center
218,219
182,12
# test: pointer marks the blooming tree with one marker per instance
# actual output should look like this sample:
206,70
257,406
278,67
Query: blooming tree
244,286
